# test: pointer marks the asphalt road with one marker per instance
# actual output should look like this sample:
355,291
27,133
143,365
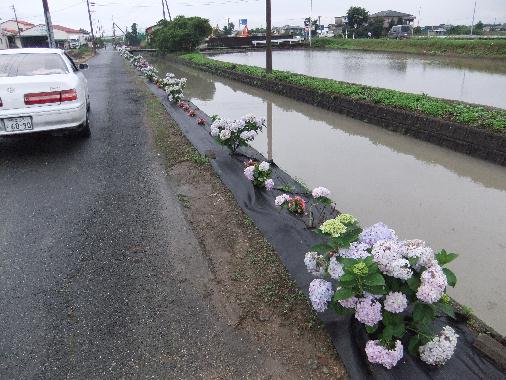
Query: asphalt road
100,275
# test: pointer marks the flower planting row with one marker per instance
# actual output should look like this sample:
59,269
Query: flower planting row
475,130
380,297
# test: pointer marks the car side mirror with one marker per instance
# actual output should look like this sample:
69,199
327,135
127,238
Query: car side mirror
83,66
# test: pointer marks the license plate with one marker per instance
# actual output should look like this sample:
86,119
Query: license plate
15,124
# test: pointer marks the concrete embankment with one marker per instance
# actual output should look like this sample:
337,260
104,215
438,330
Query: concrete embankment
481,143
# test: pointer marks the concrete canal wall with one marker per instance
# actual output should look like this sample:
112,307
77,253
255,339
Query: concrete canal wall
476,142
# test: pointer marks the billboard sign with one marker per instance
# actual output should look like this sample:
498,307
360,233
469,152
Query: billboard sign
243,22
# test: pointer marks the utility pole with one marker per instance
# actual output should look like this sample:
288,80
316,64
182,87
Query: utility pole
49,25
113,33
91,27
163,8
17,23
168,10
474,12
310,23
268,37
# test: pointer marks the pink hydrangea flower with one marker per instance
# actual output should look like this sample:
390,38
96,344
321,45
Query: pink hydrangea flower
378,354
395,302
269,184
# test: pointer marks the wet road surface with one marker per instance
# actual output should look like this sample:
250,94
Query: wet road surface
100,275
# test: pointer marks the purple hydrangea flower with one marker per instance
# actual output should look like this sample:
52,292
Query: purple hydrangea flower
368,311
320,294
375,233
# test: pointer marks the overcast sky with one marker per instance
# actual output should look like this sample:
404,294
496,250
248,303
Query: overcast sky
73,13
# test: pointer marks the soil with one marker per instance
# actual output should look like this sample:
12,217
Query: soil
251,289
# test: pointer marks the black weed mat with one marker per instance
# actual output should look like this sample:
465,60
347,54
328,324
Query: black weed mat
292,239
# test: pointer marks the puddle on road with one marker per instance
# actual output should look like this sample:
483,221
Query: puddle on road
472,80
451,200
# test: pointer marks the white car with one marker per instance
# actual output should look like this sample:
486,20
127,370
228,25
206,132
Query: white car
42,90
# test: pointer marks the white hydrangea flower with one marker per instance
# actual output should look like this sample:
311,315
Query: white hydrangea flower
440,349
335,268
311,259
264,166
387,254
225,134
280,199
319,192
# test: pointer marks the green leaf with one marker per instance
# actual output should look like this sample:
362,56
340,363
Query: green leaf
321,248
375,279
376,290
413,345
341,310
444,257
446,308
414,283
343,294
347,277
450,276
348,262
399,330
391,318
371,329
387,333
423,313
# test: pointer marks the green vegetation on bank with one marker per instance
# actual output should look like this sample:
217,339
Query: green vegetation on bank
472,115
436,46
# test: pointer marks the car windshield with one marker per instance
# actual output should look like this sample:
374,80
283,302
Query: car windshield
28,64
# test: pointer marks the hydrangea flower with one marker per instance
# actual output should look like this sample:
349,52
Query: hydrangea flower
368,311
395,302
248,172
264,166
269,184
311,260
378,354
349,303
433,285
388,255
375,233
319,192
346,219
333,227
356,251
280,199
417,249
320,294
440,349
225,134
335,268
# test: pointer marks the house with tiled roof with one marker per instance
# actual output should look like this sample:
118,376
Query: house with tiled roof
12,28
37,36
391,18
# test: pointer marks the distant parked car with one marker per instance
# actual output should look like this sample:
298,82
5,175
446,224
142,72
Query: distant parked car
42,90
74,43
400,32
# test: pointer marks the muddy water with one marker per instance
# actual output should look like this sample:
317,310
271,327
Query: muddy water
481,81
423,191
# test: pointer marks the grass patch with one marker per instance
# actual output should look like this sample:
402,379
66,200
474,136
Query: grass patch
472,115
434,46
